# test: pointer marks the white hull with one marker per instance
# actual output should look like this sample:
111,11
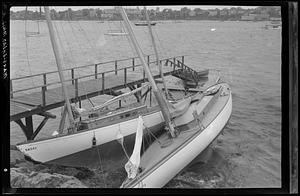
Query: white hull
58,147
175,163
116,34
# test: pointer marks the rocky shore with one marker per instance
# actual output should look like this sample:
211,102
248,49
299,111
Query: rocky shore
25,174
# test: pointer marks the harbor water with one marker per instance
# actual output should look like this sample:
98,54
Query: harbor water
248,152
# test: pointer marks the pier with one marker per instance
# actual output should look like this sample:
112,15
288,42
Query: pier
124,73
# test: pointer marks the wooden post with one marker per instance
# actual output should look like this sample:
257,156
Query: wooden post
148,60
150,96
38,129
45,81
116,67
62,120
43,96
103,83
125,75
182,59
133,64
96,71
29,127
174,60
72,76
293,95
144,75
76,88
11,89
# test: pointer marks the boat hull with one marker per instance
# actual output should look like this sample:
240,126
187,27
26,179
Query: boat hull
182,156
61,146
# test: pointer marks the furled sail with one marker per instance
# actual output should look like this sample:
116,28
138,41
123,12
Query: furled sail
132,165
179,108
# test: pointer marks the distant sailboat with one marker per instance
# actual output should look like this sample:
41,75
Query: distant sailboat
116,32
32,33
144,23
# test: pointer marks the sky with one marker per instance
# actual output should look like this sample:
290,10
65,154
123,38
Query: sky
61,8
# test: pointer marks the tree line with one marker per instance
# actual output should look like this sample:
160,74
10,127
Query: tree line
166,14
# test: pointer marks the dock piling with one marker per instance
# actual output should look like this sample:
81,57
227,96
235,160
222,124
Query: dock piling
72,76
11,89
96,70
45,81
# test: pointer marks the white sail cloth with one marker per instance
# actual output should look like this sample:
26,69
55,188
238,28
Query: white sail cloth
132,165
180,107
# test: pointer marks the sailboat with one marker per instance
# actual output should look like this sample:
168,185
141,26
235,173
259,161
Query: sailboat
165,137
32,33
116,32
144,24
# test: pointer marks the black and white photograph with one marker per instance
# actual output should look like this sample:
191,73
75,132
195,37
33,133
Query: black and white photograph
154,96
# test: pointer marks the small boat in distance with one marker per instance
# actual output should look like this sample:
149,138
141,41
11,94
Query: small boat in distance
144,23
273,25
115,33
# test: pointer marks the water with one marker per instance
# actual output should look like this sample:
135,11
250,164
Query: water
248,153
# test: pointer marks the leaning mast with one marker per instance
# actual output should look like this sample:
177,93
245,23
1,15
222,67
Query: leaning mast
59,65
161,101
156,53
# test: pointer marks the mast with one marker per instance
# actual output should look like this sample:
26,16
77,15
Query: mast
59,65
161,101
40,18
156,53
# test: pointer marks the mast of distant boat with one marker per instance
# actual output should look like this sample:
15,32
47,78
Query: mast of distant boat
59,65
161,101
156,53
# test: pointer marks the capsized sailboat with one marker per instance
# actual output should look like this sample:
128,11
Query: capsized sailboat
200,123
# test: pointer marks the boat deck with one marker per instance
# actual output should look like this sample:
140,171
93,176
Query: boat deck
38,100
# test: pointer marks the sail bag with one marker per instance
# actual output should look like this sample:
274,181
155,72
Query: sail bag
132,165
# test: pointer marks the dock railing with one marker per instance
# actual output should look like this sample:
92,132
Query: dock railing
75,80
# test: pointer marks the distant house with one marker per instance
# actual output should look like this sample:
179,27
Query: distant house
275,19
232,11
192,13
241,11
249,17
212,12
93,13
201,12
131,12
108,13
223,12
263,17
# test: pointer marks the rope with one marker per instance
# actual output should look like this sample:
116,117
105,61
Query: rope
100,163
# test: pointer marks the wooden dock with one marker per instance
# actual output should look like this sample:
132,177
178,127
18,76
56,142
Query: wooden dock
47,96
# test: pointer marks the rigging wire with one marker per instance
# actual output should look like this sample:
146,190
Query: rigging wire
26,48
73,57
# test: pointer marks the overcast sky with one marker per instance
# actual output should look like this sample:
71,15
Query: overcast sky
61,8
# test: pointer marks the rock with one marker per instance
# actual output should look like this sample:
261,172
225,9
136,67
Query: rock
25,178
16,157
